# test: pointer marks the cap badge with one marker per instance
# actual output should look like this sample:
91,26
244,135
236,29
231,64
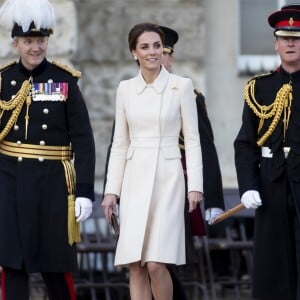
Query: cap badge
291,21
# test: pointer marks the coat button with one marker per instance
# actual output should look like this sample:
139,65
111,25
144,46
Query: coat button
20,159
13,82
45,126
42,143
41,159
19,142
45,111
16,127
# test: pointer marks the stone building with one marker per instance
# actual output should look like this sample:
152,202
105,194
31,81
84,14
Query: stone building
91,35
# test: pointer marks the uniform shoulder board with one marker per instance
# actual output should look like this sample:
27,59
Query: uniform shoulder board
7,66
259,76
197,92
74,73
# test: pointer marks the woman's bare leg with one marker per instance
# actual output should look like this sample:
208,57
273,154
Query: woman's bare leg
161,282
139,282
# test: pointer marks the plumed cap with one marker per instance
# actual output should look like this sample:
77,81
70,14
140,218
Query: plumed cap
27,17
286,21
171,39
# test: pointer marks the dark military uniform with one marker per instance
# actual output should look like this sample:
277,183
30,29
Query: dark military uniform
212,180
276,176
212,187
34,205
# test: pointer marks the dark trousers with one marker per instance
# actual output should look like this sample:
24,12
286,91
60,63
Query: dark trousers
178,289
15,285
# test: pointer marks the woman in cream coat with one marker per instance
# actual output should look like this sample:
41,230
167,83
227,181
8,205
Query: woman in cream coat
145,169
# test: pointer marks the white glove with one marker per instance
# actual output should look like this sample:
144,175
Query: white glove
212,213
251,199
83,208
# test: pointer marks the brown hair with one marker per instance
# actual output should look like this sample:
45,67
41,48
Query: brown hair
139,29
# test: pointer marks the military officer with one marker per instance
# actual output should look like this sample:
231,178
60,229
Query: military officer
212,180
267,157
45,194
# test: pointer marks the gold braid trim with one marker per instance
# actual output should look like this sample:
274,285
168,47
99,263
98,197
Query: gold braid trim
197,92
181,141
73,225
281,103
5,67
15,105
74,73
8,65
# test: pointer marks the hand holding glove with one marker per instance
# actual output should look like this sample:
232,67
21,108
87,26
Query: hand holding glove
83,208
212,213
251,199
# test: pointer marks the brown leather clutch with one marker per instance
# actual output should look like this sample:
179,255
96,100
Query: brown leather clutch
115,224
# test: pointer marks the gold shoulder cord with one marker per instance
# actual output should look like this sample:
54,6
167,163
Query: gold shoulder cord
7,66
67,68
197,92
282,103
181,141
15,105
73,226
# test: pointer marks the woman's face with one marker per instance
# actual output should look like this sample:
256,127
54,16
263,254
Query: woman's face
149,51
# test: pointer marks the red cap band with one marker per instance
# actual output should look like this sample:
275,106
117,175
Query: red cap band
288,23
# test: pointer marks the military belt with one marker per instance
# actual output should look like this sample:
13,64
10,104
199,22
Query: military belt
40,152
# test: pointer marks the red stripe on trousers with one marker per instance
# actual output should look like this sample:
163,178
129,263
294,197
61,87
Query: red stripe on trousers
70,284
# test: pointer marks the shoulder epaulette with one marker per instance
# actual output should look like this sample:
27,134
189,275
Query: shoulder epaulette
73,72
197,92
259,76
7,66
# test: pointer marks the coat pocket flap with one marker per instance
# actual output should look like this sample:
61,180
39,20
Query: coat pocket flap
171,153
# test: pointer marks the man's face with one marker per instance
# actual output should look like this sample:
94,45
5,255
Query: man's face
288,49
32,50
167,60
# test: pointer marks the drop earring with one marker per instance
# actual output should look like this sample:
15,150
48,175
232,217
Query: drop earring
135,57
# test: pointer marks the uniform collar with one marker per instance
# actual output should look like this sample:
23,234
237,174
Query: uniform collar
36,71
293,77
159,83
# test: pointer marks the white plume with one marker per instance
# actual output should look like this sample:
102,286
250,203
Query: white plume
23,12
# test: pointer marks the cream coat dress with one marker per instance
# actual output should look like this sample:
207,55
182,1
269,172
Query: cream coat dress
145,169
